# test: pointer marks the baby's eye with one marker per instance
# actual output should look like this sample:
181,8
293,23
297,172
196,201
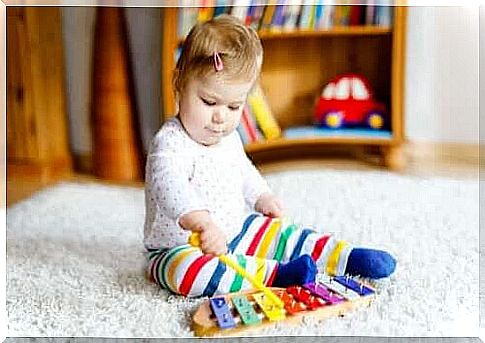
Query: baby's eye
234,108
207,102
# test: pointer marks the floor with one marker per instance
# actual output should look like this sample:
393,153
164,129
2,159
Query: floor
18,189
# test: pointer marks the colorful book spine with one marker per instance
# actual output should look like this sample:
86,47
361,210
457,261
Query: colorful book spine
278,18
369,14
345,19
355,14
250,13
292,13
262,113
220,8
313,12
318,15
240,9
278,15
206,11
243,134
187,17
305,15
249,125
268,15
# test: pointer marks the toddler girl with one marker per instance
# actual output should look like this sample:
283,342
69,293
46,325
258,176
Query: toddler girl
199,179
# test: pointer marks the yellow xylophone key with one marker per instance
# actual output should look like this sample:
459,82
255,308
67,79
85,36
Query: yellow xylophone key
270,309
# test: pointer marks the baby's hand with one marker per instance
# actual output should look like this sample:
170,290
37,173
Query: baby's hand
269,205
212,239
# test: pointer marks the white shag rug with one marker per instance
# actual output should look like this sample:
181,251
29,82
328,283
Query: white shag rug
75,265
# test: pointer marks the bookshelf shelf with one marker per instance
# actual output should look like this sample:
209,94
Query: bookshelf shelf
279,143
297,64
335,31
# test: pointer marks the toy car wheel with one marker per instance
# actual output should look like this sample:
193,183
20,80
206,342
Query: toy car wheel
375,120
333,120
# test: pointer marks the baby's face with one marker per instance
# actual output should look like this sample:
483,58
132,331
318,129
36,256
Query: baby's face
210,108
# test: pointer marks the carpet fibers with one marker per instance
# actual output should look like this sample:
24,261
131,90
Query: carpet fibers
75,265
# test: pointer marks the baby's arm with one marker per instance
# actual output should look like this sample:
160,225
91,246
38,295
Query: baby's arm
168,181
212,239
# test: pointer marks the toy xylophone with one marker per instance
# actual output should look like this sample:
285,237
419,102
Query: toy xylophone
242,312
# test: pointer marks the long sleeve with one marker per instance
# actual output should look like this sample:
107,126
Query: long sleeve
168,178
169,169
253,182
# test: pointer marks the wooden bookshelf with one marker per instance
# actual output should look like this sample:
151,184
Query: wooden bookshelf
298,63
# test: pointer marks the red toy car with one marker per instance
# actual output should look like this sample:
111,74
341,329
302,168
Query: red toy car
347,101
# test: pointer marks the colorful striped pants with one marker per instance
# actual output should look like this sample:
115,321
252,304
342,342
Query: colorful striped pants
261,245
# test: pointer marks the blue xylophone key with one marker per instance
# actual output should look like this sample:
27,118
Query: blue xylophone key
324,293
350,283
222,313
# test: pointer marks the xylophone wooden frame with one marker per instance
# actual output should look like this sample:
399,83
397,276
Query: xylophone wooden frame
205,326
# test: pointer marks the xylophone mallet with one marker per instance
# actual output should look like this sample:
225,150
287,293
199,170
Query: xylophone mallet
194,240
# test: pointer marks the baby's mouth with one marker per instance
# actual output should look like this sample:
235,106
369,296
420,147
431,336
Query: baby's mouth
216,132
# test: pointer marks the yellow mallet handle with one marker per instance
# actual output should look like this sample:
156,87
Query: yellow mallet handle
195,241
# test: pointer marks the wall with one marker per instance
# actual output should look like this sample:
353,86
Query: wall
78,26
144,35
482,77
442,75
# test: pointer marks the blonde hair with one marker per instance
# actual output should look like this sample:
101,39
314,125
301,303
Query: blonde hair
238,46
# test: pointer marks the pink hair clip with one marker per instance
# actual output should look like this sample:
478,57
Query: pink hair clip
218,62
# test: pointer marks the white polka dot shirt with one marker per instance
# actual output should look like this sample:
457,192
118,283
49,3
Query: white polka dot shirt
183,176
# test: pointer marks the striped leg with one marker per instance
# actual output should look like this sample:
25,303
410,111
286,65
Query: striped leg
275,238
185,270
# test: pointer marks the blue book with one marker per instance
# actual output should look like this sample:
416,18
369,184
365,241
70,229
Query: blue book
220,7
243,134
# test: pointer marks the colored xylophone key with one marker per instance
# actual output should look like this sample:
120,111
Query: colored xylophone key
305,296
272,311
291,305
223,314
341,288
245,310
338,288
324,293
357,287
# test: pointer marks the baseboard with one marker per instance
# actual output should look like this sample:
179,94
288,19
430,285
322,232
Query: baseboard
454,153
40,171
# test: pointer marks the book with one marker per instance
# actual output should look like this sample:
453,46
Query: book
249,125
243,133
268,14
262,113
328,17
369,13
305,14
278,18
258,15
250,13
240,9
187,17
384,16
318,21
355,15
292,14
221,7
206,11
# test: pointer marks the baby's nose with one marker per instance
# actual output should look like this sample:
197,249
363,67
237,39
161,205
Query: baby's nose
218,117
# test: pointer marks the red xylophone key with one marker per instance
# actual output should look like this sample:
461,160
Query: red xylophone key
305,296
